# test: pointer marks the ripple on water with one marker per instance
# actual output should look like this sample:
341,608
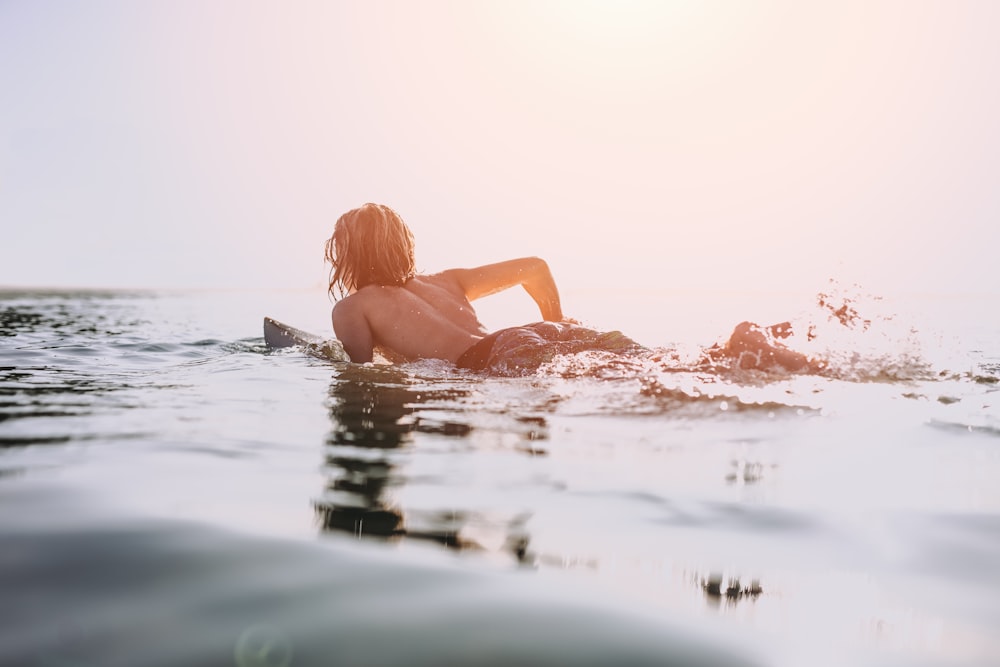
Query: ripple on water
739,491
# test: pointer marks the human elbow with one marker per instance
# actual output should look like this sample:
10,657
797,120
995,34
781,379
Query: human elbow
537,267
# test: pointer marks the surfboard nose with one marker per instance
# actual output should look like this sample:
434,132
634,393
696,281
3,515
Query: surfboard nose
278,335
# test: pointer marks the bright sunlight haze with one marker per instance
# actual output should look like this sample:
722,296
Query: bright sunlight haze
759,146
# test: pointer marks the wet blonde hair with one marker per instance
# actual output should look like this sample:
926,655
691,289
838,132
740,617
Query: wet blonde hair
371,245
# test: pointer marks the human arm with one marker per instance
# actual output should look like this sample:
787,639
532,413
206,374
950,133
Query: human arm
353,331
530,272
748,337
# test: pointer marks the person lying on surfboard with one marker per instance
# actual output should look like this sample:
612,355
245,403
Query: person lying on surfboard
385,305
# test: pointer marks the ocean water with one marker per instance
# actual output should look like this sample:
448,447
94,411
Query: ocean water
172,492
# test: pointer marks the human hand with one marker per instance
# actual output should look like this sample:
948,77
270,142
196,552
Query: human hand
781,330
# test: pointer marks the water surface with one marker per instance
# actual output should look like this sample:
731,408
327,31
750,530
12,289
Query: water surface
173,492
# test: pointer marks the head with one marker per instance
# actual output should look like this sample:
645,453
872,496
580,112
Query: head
371,245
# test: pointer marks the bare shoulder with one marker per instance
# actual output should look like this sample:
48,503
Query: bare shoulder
449,280
349,313
375,303
352,329
349,305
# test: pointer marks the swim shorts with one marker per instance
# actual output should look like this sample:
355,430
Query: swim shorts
521,350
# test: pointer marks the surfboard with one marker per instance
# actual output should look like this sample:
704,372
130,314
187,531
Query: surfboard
278,335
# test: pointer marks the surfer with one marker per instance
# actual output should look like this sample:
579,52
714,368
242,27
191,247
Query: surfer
386,306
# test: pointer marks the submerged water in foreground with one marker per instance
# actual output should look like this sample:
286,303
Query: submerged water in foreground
173,493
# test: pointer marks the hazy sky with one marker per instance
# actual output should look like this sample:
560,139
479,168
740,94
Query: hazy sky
659,144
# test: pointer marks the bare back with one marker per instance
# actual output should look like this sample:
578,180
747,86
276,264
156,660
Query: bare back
431,317
428,318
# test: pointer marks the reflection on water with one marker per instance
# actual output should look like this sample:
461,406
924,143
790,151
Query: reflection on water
369,417
718,588
376,412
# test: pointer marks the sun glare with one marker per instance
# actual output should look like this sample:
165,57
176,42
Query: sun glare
619,21
621,39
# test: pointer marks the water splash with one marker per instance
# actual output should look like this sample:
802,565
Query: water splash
864,337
